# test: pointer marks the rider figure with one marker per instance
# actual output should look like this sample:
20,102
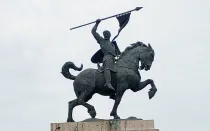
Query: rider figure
109,52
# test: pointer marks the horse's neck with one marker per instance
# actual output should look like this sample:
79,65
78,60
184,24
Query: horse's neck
130,60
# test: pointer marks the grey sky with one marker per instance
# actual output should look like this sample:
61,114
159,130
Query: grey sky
35,41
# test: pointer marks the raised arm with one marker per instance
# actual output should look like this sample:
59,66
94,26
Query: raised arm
95,34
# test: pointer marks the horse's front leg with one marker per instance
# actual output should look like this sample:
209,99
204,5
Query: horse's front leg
119,93
143,84
153,89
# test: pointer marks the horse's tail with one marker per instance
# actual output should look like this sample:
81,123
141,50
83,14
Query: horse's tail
66,67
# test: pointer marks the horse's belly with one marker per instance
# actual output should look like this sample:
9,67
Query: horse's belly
105,92
99,85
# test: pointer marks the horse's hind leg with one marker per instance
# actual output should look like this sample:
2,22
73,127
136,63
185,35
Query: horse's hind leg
81,101
91,109
72,104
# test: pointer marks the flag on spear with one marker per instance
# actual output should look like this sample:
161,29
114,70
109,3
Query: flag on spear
123,20
120,18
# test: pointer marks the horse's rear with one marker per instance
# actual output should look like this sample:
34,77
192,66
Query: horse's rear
91,81
84,84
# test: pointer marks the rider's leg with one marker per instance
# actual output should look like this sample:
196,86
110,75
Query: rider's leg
107,76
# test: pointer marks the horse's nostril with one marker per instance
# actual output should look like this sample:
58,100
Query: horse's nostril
147,67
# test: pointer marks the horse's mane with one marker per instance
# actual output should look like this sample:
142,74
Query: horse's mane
132,46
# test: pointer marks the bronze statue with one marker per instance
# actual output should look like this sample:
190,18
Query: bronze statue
114,77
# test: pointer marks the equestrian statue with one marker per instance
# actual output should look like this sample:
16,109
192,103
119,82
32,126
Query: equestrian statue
119,72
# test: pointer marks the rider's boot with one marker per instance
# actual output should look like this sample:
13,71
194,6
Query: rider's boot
107,76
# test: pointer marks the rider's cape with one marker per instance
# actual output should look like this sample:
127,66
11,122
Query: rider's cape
98,56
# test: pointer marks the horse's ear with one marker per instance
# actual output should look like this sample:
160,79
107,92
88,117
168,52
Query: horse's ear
149,45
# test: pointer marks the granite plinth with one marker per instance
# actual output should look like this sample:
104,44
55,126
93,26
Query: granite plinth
106,125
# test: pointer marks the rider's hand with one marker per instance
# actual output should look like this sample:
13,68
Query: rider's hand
98,21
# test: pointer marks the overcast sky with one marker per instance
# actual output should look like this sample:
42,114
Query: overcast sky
35,41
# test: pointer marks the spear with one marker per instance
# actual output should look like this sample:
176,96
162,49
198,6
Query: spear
136,9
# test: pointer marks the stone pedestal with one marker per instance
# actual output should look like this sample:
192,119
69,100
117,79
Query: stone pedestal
106,125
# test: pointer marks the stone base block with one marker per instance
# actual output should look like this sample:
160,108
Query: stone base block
106,125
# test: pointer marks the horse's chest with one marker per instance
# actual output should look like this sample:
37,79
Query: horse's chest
129,76
133,80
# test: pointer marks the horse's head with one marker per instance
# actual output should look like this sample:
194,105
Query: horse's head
137,52
146,57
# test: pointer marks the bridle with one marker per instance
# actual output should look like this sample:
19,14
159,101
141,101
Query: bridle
136,65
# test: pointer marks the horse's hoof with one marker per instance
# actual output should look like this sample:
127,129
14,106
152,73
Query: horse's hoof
116,117
151,93
70,120
112,114
92,113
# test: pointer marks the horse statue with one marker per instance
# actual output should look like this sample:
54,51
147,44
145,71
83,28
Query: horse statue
91,81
